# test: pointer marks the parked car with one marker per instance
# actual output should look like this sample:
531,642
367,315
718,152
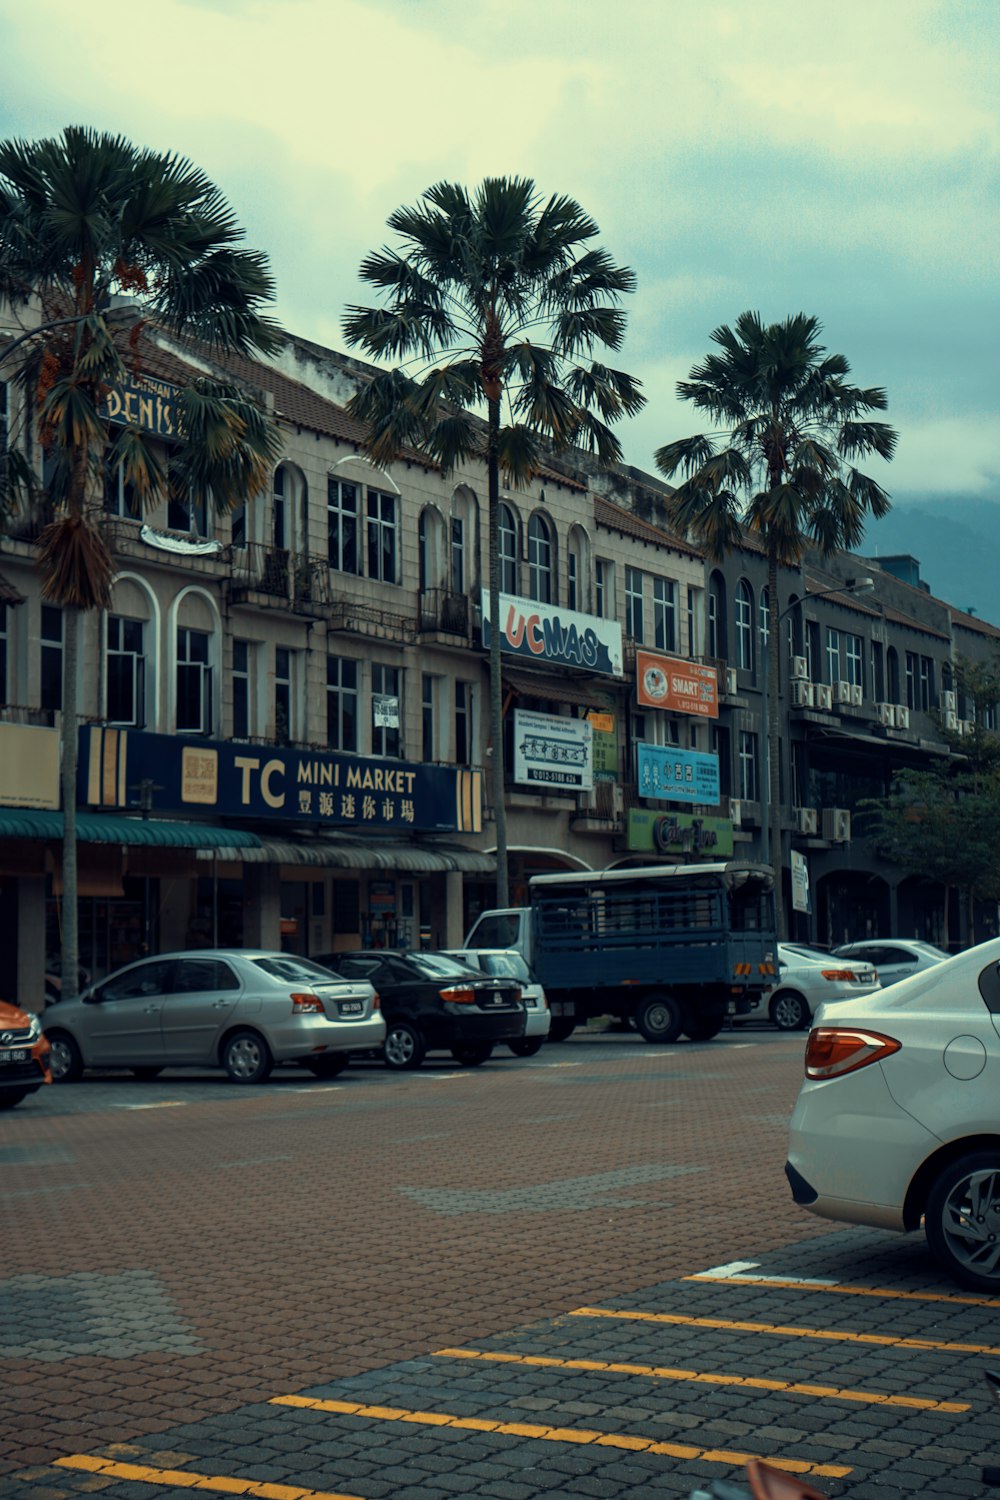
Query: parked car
899,1115
895,958
241,1010
433,1003
807,978
507,963
24,1055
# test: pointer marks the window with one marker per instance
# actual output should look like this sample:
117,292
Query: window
508,550
604,589
633,604
572,581
722,748
427,716
279,512
194,682
744,626
187,516
342,525
764,622
927,695
120,497
198,976
381,536
283,725
749,786
238,526
912,678
811,643
854,670
5,632
694,607
52,657
539,560
341,703
718,638
241,690
464,700
833,673
457,555
385,709
664,614
125,672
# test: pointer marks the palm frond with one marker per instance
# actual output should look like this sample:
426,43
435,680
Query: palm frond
687,454
520,455
75,564
856,439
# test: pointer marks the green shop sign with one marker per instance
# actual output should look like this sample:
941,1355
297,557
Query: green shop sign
678,833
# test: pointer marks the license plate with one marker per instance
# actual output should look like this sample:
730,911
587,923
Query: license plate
14,1054
351,1007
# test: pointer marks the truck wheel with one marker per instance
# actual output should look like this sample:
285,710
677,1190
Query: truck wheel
561,1028
701,1025
659,1018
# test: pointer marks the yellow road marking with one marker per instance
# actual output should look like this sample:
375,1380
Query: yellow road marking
662,1372
561,1435
745,1279
221,1484
839,1334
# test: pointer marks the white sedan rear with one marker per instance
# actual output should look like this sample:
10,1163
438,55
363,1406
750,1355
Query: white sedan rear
808,977
898,1119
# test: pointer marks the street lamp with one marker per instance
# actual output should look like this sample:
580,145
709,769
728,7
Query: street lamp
771,841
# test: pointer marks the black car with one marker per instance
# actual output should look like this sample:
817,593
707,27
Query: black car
432,1003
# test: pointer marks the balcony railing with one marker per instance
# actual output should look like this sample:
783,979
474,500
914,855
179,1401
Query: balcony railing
441,610
21,713
294,578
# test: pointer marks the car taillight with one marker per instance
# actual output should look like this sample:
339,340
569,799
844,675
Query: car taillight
376,1003
832,1051
847,976
306,1005
458,996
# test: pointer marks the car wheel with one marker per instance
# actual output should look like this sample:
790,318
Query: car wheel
962,1220
702,1025
404,1047
526,1046
659,1018
11,1098
65,1059
328,1067
145,1074
472,1056
789,1011
246,1057
562,1028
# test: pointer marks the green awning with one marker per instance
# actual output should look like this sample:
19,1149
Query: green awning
117,828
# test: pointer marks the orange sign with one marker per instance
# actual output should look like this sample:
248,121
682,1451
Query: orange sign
683,687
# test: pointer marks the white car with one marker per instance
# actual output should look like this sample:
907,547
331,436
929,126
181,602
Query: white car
807,978
895,958
508,963
898,1119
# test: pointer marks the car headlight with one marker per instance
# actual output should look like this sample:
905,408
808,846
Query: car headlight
34,1028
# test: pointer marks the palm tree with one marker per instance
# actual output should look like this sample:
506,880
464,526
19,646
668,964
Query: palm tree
782,466
96,233
495,298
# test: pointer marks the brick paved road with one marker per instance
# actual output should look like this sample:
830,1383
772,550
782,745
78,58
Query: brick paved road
463,1282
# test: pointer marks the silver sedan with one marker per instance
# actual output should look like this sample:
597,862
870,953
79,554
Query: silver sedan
240,1010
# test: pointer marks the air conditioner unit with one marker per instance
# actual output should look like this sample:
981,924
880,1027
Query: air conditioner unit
842,692
951,722
966,726
823,696
802,694
902,716
857,694
731,680
886,713
806,820
799,667
735,811
837,825
948,703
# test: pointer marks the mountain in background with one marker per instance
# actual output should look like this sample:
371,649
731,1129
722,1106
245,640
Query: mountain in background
956,541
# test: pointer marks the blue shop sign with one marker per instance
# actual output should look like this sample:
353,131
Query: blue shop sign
549,633
677,775
164,773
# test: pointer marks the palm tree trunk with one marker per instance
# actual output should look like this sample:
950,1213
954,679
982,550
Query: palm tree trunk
773,769
68,749
496,680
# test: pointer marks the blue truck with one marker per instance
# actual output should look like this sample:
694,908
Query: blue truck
673,949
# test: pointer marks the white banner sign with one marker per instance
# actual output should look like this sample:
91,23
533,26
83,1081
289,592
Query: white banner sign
385,711
552,751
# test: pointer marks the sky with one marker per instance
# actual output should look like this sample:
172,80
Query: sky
780,155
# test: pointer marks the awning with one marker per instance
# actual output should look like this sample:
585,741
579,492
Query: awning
347,853
111,828
560,689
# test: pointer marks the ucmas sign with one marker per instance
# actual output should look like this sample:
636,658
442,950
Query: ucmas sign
544,632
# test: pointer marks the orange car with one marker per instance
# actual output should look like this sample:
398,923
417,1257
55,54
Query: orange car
24,1055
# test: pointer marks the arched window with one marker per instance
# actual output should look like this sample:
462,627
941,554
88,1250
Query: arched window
289,510
578,570
764,617
462,551
744,626
718,637
430,548
540,560
508,550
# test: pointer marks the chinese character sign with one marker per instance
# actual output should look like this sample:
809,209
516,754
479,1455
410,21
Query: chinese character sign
677,775
552,751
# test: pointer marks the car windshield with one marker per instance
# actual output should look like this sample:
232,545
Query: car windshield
289,966
436,965
506,965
